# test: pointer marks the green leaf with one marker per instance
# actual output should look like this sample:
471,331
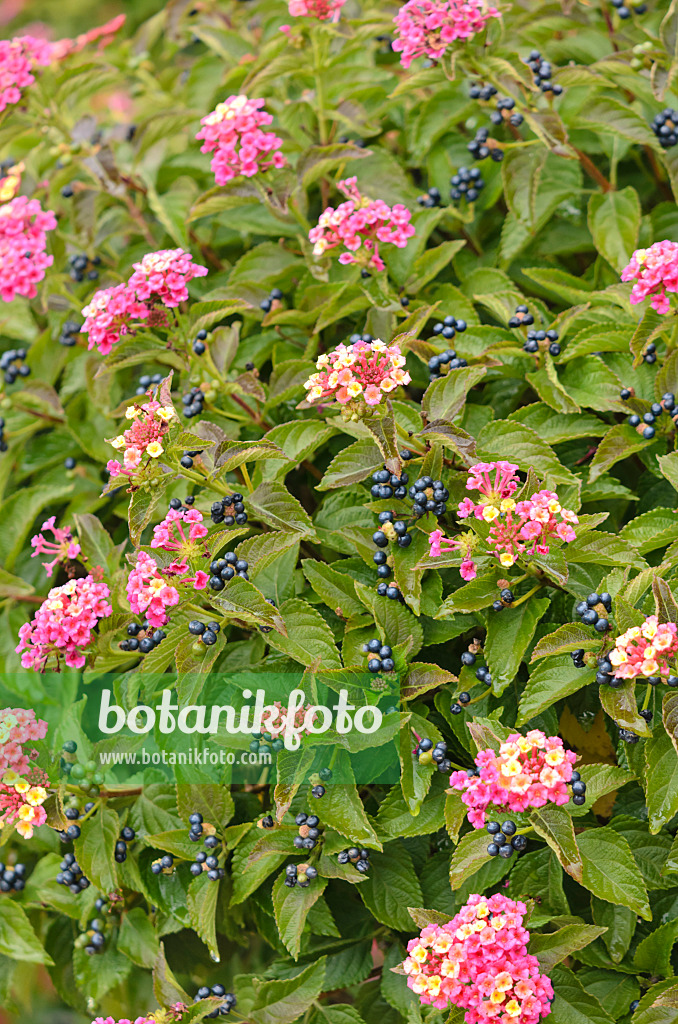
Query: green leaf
552,948
573,1004
620,705
550,681
571,636
18,941
620,442
137,938
468,857
651,530
600,779
609,870
95,847
620,923
166,988
422,677
445,398
653,954
203,895
281,1002
391,887
430,263
661,760
309,639
291,908
336,589
614,222
509,634
272,503
395,819
612,117
472,596
142,507
554,825
351,465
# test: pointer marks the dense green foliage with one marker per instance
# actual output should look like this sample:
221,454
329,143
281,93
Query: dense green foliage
582,184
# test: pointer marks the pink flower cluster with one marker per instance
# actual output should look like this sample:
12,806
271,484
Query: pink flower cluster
63,547
18,727
479,962
18,59
21,802
361,223
148,593
144,438
425,28
170,535
528,771
64,623
645,650
159,280
363,370
321,9
655,272
23,240
464,543
233,132
516,527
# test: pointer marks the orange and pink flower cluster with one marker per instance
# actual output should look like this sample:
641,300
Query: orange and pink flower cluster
364,370
479,962
150,422
645,650
528,771
360,225
21,797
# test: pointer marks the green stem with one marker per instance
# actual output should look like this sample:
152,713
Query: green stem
525,597
319,89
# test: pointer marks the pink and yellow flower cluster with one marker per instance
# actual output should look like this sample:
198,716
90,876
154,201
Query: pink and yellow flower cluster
528,771
23,243
233,132
479,962
425,28
160,281
645,650
179,532
655,272
143,439
21,802
64,623
363,370
148,592
18,727
516,527
360,225
62,548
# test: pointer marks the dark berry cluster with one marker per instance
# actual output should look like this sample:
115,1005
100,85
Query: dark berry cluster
224,569
594,611
301,874
127,835
440,365
504,840
390,590
387,485
360,337
192,402
199,343
177,503
274,296
427,753
12,364
263,740
3,444
578,658
186,461
628,736
605,673
267,629
143,639
163,865
481,92
428,496
665,127
379,656
390,529
578,789
229,1000
12,877
504,113
359,858
79,264
457,706
266,822
309,831
624,8
482,146
146,381
206,632
667,404
466,184
70,874
229,510
483,675
521,318
69,333
506,599
430,198
204,861
534,338
94,939
542,72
